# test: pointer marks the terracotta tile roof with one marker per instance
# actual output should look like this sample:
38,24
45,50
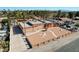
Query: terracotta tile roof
50,34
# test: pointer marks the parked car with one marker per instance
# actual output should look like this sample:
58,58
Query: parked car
28,47
3,33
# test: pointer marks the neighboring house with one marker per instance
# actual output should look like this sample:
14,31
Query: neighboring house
66,19
34,25
76,18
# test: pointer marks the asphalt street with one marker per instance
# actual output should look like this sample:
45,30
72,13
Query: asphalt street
71,47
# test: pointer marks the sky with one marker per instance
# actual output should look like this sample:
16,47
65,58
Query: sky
42,8
66,5
39,3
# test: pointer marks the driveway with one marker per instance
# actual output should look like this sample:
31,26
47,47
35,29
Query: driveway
71,47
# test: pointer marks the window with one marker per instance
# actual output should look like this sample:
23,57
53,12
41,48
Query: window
37,44
43,42
48,40
58,37
52,39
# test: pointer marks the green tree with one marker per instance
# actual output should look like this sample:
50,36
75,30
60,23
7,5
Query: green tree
77,14
58,13
70,14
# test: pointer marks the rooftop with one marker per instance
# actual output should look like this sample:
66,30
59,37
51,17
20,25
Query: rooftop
45,21
35,22
66,19
24,24
50,34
